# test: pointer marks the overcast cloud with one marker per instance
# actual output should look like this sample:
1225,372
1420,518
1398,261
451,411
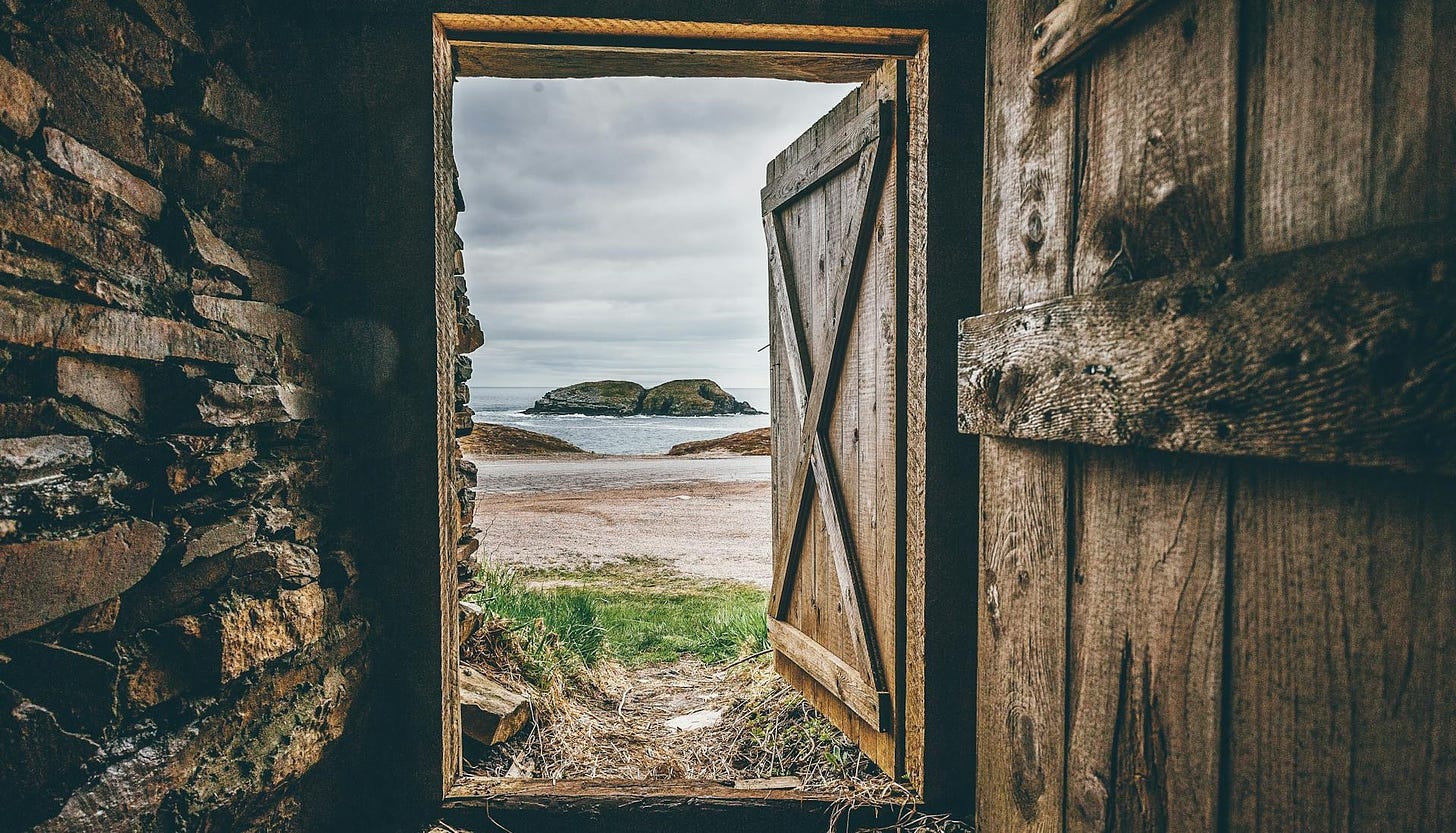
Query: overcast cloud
612,226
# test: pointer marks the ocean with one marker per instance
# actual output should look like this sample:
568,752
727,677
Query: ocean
613,435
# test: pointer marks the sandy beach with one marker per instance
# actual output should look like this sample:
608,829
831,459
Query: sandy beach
706,516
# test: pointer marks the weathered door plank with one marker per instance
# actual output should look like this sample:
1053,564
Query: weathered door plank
1021,645
1148,562
1342,640
870,178
828,490
836,232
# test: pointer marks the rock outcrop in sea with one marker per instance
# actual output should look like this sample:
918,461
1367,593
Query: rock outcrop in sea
605,398
692,397
681,397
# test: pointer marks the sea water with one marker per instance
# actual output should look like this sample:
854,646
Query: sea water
613,434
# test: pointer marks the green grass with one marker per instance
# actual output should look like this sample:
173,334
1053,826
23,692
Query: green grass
637,613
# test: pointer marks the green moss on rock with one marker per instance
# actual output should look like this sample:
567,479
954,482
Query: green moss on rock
605,398
681,397
692,397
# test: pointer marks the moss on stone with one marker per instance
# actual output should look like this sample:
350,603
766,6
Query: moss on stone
692,397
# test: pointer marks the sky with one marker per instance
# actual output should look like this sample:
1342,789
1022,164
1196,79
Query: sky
612,226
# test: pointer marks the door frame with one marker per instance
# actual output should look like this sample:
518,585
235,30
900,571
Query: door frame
945,95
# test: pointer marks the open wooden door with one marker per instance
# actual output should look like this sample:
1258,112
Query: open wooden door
836,260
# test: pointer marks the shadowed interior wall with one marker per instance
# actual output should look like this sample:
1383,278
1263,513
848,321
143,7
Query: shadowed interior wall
227,384
207,413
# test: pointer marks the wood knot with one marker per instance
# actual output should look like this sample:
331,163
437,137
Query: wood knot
1190,28
1007,390
1090,800
1034,235
1112,238
1046,90
1028,781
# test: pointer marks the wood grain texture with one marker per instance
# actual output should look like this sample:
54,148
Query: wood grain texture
1146,597
1344,651
445,652
842,149
1146,642
1022,630
880,41
535,46
1338,353
505,60
1342,698
1076,27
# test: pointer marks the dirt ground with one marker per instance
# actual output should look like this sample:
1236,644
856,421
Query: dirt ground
704,516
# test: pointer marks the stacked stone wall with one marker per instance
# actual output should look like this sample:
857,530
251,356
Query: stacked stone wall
181,634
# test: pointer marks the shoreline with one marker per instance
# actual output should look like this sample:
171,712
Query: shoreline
705,516
496,440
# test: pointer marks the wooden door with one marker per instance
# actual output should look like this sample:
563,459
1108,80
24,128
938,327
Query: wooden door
835,245
1215,386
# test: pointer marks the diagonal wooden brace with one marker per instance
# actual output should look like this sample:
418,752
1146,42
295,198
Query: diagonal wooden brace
813,461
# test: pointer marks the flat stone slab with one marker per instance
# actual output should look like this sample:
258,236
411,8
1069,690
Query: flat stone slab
705,719
489,712
43,580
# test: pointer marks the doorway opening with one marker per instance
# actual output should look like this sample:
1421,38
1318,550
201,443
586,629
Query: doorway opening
613,237
837,208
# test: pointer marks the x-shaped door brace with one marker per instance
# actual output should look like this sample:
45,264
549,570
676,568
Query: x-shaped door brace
867,140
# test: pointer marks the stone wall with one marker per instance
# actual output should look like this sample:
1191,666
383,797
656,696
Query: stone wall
183,638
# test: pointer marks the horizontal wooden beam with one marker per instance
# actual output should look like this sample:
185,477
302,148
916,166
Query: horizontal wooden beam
583,31
533,61
526,46
481,804
1343,353
836,675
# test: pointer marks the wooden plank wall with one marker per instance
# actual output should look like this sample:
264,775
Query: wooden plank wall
1022,649
1175,642
1145,640
1344,686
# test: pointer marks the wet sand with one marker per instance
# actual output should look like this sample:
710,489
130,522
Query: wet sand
706,516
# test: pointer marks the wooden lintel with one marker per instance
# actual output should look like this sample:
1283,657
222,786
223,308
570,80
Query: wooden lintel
513,60
689,44
582,31
528,46
1341,353
1076,26
833,673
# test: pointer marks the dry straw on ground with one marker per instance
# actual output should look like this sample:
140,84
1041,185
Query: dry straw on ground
608,722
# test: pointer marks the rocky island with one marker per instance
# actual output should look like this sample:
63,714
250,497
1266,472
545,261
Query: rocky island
605,398
681,397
